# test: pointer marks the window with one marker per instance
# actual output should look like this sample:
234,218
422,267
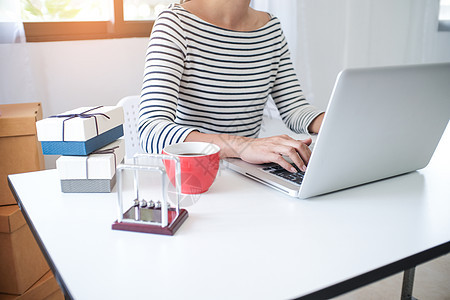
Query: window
58,20
444,15
134,10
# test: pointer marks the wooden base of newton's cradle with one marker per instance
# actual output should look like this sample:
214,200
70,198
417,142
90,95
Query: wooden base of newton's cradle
174,222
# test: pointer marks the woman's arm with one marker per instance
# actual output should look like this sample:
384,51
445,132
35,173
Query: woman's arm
259,150
159,96
315,125
287,94
263,150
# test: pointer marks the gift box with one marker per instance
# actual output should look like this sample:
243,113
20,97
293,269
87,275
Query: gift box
100,164
94,173
80,131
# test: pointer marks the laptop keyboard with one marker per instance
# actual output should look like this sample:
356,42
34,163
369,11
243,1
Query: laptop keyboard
278,170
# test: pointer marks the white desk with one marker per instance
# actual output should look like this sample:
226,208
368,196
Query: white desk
243,240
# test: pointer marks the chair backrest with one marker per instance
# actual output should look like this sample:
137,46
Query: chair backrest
130,106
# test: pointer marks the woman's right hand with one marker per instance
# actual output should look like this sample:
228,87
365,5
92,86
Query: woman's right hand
275,149
259,150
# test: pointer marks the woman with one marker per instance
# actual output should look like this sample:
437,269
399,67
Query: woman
210,67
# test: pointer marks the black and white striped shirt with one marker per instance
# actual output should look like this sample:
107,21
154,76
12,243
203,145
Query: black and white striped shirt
202,77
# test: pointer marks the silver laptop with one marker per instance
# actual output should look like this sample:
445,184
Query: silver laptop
380,122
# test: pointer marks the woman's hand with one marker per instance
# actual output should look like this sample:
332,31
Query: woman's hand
259,150
272,149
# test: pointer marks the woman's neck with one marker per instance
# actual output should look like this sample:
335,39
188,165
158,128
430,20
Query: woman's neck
229,14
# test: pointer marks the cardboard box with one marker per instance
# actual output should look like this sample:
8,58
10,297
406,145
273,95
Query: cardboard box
80,131
21,261
101,164
20,150
45,288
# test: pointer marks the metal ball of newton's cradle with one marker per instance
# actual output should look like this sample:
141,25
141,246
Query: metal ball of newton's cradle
151,204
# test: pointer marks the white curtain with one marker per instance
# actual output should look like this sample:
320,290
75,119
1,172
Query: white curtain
11,26
327,36
17,82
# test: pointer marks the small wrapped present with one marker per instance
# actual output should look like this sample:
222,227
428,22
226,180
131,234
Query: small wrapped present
91,173
80,131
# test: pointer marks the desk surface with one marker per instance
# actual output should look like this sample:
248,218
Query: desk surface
243,240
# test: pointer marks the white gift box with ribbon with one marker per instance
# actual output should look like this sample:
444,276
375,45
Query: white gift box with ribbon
80,124
101,164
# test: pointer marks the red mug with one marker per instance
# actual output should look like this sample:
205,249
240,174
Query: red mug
199,163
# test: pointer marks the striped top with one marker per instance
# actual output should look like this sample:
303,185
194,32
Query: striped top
199,76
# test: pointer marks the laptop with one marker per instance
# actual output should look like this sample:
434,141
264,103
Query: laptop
380,122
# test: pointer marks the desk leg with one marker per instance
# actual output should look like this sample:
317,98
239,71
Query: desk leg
408,282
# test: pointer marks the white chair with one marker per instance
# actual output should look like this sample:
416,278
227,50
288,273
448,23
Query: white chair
130,106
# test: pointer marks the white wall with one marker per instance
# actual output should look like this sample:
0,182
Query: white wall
326,37
66,75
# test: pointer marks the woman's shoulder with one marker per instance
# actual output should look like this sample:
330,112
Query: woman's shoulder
171,11
175,10
266,21
170,16
261,17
